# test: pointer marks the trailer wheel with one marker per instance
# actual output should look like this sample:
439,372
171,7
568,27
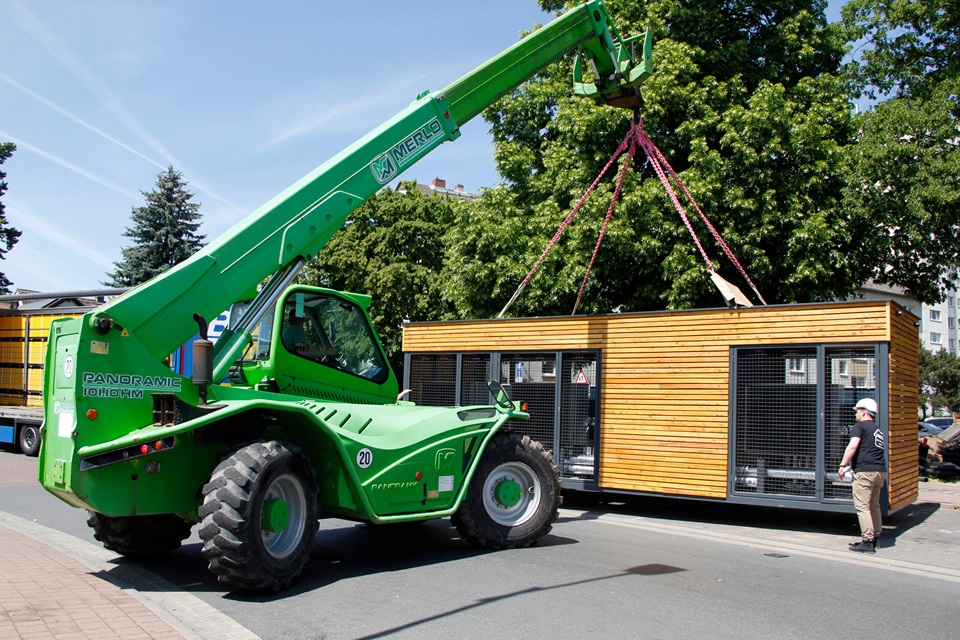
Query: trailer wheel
139,537
514,496
260,516
29,439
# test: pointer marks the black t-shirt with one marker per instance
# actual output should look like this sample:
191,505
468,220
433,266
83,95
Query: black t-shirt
871,454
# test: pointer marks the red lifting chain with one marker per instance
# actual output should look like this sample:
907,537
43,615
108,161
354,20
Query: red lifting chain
635,136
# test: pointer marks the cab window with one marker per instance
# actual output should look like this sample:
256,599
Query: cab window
332,332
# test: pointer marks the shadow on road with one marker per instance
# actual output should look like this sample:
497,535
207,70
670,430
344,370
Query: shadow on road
749,516
342,550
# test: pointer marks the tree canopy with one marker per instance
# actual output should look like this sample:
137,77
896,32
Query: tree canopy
8,235
747,105
904,181
904,48
939,375
164,232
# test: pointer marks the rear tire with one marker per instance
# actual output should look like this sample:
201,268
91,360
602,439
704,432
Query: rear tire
514,496
29,440
141,538
260,516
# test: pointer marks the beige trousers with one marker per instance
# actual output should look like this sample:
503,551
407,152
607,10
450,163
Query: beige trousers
866,499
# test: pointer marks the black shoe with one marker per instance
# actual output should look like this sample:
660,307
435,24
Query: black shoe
875,542
864,546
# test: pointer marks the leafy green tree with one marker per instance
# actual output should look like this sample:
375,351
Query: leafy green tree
904,181
939,375
905,48
746,105
8,235
391,248
904,192
164,232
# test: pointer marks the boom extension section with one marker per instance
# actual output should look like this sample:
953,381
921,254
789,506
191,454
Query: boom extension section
300,221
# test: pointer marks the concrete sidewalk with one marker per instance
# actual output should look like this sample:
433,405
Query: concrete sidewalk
53,585
47,594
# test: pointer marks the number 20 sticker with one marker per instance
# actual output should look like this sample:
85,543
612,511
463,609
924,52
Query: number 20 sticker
364,458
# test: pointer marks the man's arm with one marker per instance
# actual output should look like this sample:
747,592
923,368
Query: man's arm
848,454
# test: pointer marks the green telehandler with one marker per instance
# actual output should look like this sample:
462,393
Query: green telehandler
294,413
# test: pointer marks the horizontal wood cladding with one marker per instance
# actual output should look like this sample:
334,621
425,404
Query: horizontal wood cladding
721,328
664,404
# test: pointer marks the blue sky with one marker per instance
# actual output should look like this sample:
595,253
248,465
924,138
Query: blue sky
244,98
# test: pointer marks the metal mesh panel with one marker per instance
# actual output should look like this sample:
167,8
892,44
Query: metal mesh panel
532,379
776,422
850,376
433,379
578,415
474,373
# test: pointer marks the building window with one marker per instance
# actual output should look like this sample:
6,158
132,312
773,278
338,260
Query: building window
950,322
953,345
949,301
934,338
934,314
797,365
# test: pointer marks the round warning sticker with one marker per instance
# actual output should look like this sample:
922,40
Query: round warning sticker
364,458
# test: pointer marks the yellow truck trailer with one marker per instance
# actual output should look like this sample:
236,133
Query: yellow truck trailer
24,328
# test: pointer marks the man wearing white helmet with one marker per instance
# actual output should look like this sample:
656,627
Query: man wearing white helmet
866,454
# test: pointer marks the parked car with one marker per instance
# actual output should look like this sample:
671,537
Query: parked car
942,422
925,429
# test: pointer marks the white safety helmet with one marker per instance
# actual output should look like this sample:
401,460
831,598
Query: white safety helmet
869,404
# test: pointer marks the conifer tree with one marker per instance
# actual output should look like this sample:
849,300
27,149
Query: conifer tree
164,232
8,235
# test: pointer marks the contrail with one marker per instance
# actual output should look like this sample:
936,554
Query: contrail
369,103
71,167
36,96
101,92
37,225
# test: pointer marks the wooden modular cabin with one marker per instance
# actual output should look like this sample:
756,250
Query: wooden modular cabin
746,405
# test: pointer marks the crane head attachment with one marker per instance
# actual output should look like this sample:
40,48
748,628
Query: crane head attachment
618,67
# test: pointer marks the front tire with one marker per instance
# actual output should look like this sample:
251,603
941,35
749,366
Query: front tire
514,496
142,538
29,440
260,516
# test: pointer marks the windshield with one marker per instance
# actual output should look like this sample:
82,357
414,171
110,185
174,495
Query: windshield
332,332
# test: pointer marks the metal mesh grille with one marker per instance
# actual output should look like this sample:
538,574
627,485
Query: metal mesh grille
433,379
474,373
532,379
578,415
851,376
776,422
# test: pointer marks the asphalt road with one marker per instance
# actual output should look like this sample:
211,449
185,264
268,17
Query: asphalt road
645,568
